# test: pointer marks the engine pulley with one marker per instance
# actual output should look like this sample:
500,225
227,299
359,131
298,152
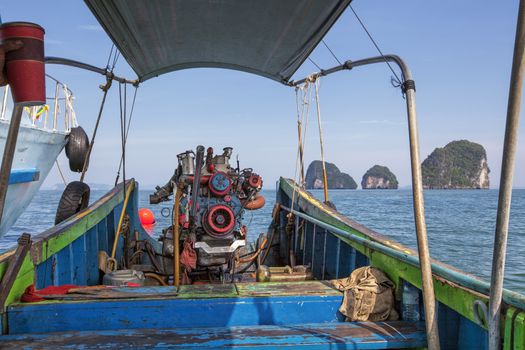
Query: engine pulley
218,221
219,184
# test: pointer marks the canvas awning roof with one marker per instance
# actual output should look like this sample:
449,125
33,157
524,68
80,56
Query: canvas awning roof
270,38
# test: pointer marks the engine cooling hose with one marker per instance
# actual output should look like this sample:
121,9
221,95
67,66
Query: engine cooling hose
156,278
130,188
254,256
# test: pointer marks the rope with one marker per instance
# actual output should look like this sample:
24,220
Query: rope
325,181
104,88
300,149
304,113
60,172
397,80
126,136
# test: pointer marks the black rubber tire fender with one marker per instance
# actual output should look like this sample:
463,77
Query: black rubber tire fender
75,198
77,148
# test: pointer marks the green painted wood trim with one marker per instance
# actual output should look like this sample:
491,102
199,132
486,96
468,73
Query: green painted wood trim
519,332
57,238
404,264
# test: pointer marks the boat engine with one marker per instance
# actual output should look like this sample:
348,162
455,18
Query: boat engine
213,198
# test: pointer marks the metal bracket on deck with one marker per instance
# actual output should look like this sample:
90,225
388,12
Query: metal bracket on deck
220,250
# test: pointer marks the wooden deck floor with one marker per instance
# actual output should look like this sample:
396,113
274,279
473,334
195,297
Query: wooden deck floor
358,335
256,315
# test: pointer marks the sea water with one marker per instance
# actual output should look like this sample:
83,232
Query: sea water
461,223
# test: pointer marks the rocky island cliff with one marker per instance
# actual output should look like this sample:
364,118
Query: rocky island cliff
379,177
459,165
335,178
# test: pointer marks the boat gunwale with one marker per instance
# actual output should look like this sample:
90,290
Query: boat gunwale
446,274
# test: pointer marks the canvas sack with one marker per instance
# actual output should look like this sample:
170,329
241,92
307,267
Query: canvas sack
368,296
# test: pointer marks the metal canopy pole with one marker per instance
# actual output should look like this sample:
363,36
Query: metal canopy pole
9,153
417,187
505,187
89,67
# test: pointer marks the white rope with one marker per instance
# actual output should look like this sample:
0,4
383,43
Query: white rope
302,120
325,184
61,174
70,115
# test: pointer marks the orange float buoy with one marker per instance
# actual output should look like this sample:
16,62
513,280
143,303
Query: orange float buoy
146,216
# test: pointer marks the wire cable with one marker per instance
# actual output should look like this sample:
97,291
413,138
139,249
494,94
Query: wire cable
315,64
333,54
127,132
398,81
110,54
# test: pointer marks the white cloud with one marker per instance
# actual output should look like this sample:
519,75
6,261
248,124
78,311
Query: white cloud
53,42
90,27
377,121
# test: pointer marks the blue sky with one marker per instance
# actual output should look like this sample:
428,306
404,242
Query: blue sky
459,52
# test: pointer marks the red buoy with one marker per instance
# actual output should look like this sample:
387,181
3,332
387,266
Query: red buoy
146,216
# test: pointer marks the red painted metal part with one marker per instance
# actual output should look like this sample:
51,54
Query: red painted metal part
218,191
219,220
257,203
255,181
25,66
204,179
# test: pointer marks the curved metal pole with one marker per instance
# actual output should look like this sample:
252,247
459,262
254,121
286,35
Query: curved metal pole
89,67
505,187
409,88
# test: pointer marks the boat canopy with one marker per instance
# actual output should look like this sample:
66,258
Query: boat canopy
270,38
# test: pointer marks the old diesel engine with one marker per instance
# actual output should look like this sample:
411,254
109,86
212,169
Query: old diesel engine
211,197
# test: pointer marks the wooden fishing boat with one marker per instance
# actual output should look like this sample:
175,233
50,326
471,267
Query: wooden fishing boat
228,309
272,314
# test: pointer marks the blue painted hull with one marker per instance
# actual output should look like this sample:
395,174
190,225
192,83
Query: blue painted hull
260,315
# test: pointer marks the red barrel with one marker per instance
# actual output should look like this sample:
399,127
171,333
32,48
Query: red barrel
25,66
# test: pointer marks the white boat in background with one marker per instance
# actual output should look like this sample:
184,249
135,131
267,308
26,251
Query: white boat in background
41,138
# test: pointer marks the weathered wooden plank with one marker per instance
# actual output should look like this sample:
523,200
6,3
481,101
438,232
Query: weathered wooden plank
332,256
79,260
207,291
91,267
287,288
355,335
159,312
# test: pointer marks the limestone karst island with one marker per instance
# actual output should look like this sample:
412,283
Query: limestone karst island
459,165
379,177
335,178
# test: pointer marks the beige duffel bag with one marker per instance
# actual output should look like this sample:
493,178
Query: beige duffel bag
368,296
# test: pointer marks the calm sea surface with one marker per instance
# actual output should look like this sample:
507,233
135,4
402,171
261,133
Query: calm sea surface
461,223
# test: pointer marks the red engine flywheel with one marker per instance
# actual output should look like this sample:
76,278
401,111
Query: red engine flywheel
219,220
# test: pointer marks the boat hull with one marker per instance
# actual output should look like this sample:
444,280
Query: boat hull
274,314
35,153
